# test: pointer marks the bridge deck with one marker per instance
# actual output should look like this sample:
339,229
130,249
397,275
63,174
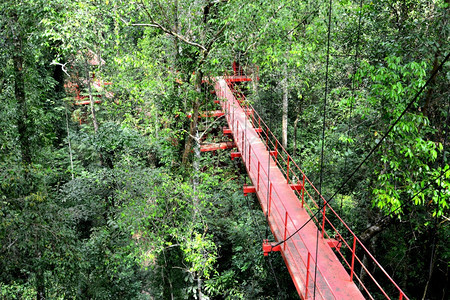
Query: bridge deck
286,213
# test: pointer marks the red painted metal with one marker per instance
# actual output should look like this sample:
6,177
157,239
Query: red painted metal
303,191
352,269
226,131
208,114
235,155
285,229
333,243
249,189
288,207
287,170
273,153
257,180
323,218
237,78
270,247
217,146
307,275
296,186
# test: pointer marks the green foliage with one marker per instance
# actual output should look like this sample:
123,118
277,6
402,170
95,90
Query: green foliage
111,213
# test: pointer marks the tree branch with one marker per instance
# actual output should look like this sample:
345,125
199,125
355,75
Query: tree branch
153,23
148,25
63,66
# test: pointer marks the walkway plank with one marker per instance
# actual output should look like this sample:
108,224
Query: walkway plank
277,199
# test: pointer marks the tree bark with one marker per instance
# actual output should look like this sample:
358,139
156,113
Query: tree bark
297,119
199,288
255,75
294,152
68,141
373,230
91,98
194,121
432,263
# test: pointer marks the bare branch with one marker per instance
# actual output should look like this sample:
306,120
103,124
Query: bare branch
63,66
168,31
148,25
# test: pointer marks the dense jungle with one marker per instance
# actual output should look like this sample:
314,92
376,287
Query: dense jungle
104,193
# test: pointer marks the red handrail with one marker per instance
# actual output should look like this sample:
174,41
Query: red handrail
290,169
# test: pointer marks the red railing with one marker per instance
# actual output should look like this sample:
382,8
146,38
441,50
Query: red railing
351,250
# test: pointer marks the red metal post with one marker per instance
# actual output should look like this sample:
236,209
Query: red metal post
257,181
307,276
401,295
287,170
253,120
353,259
259,122
323,217
285,230
303,191
276,148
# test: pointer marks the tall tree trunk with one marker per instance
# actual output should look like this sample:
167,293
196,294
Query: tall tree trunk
294,152
199,288
297,119
91,98
255,76
176,30
373,230
194,120
432,263
68,141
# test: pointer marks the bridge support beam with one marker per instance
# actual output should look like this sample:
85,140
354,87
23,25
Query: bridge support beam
270,247
217,146
227,131
209,114
296,186
235,155
248,189
334,243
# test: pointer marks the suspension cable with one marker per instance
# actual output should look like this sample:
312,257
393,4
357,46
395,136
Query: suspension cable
355,69
371,151
323,136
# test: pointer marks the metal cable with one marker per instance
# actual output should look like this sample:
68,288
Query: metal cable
372,151
323,137
355,69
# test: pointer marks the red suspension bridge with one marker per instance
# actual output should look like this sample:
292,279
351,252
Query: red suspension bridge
324,257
